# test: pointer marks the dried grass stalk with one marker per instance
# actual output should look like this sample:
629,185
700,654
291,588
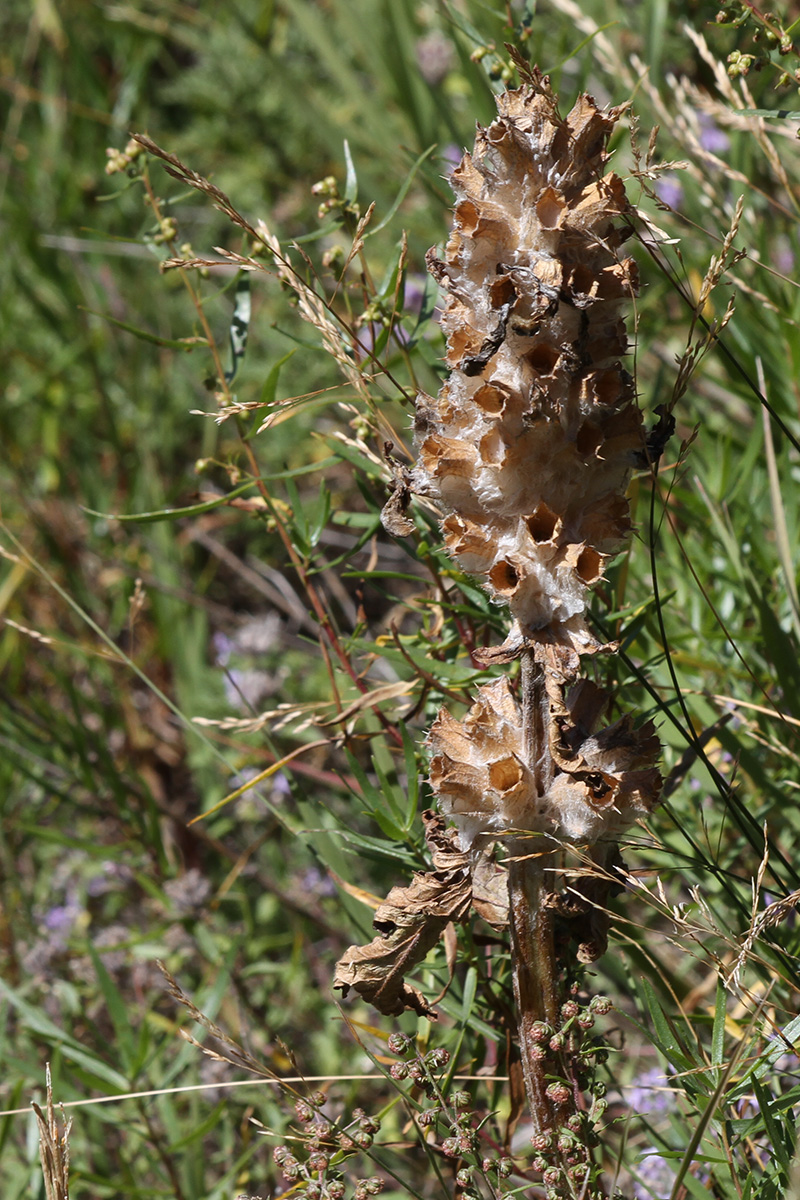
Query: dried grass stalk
53,1146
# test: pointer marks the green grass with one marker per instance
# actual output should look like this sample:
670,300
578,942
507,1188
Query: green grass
103,764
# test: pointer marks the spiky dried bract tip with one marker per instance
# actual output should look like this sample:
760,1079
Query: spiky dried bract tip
602,782
531,441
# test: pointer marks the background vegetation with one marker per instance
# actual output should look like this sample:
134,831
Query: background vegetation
138,655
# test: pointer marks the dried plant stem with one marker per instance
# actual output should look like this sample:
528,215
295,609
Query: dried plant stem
536,721
535,976
534,967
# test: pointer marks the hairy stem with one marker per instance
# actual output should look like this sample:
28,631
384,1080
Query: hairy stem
535,976
535,973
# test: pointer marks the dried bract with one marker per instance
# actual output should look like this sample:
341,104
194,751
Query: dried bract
603,780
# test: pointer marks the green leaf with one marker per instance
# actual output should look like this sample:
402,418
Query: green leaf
412,776
718,1031
465,1022
118,1011
784,1042
187,344
665,1038
240,324
379,850
170,514
72,1050
774,114
299,522
774,1130
320,518
401,195
270,388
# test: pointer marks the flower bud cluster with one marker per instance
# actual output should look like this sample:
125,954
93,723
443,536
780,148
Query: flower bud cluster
317,1174
450,1118
562,1159
123,160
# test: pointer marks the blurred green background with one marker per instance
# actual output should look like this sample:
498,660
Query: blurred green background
117,635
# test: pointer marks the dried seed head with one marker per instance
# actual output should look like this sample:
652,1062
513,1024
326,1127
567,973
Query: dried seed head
531,441
603,781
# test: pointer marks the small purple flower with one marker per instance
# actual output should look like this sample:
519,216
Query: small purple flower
649,1092
188,892
111,877
784,256
61,918
747,1106
414,293
669,189
223,647
313,880
281,786
712,138
246,689
434,54
451,156
656,1176
259,635
111,944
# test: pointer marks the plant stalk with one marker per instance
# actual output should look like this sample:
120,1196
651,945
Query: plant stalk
534,968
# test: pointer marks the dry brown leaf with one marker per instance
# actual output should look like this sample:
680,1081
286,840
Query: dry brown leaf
394,514
410,923
490,890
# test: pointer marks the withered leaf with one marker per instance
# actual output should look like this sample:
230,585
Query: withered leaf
409,923
394,514
583,907
490,891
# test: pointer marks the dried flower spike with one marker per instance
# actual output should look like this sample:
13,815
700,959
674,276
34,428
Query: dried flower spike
529,448
599,783
531,441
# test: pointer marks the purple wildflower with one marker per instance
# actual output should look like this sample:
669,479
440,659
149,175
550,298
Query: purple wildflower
188,892
712,138
414,293
649,1092
434,54
61,918
222,648
656,1176
669,189
246,689
280,786
259,635
321,884
784,260
110,877
451,156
